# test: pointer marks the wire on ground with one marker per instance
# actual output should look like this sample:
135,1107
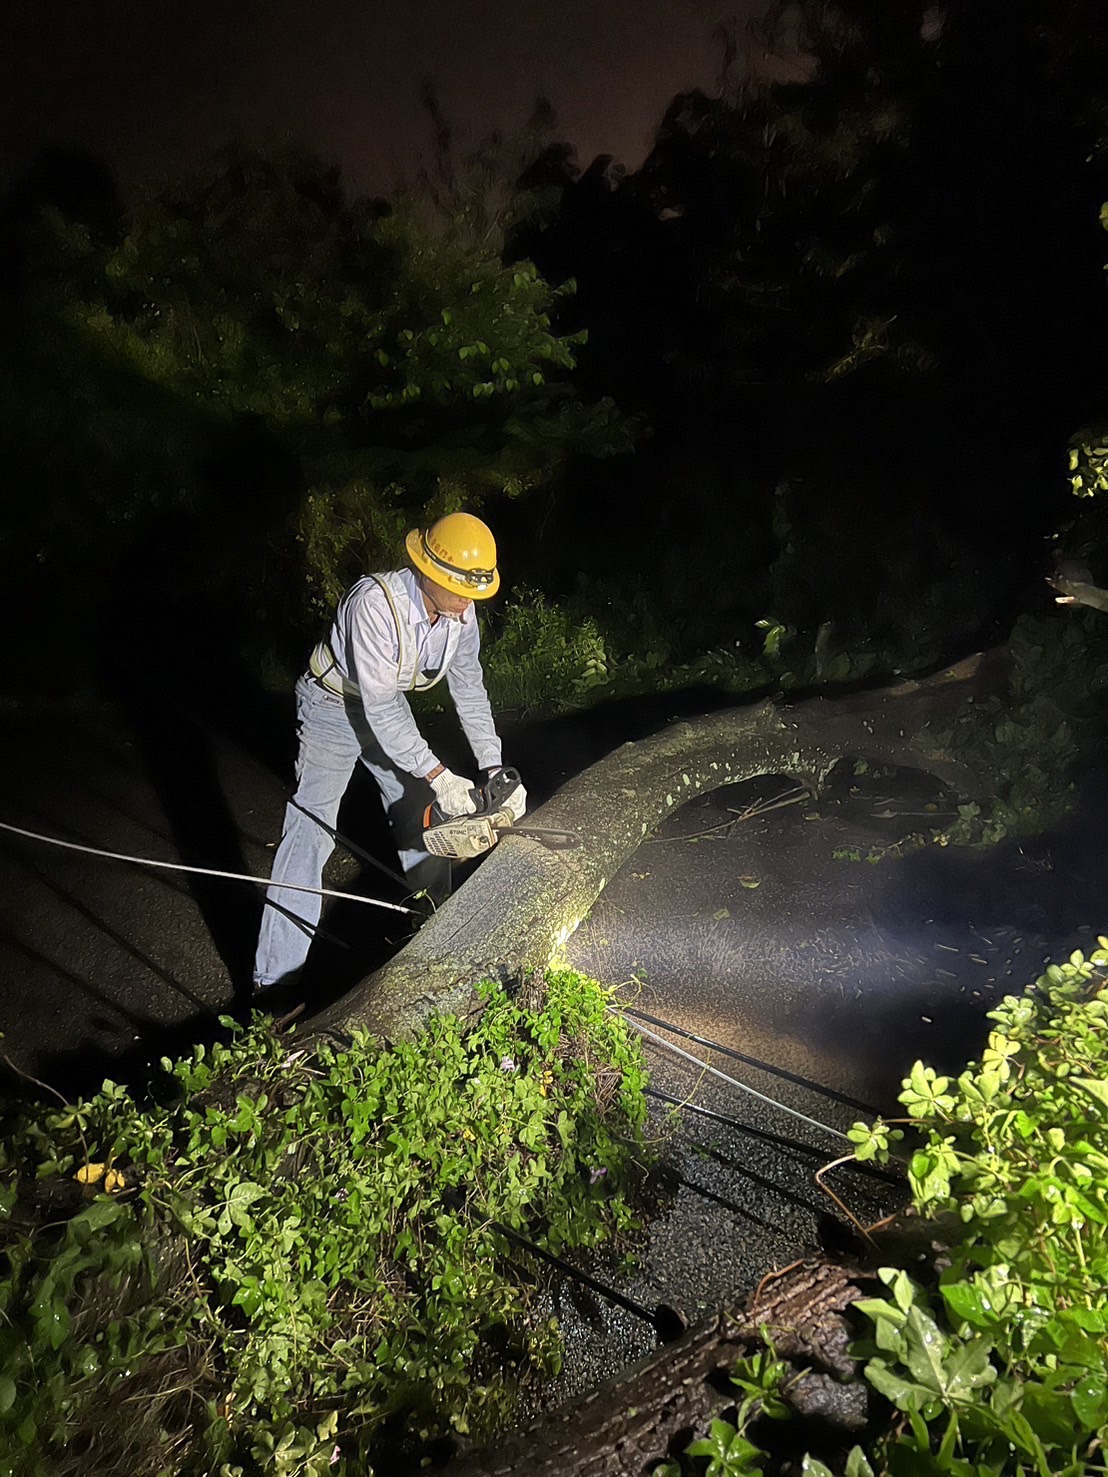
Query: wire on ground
752,1061
764,1136
145,861
734,1082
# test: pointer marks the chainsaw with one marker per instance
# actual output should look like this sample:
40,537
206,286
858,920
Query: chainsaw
461,837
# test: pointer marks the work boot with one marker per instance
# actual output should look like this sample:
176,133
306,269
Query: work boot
280,996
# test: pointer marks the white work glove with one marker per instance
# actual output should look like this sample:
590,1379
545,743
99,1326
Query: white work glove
516,803
453,793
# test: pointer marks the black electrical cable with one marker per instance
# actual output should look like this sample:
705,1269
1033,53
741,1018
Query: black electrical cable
666,1321
351,846
751,1061
778,1140
744,1087
313,930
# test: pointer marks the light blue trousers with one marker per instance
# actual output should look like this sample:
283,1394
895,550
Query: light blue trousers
334,736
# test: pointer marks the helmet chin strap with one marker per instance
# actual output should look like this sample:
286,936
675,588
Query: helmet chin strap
427,589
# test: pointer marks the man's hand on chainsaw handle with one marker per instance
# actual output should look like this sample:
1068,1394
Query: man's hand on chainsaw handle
454,794
516,803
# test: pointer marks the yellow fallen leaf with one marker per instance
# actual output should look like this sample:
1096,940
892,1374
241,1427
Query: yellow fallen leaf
749,881
114,1181
90,1174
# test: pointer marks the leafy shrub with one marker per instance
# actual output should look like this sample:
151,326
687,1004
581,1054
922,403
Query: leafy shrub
543,657
1033,735
297,1259
998,1364
274,381
1007,1363
540,658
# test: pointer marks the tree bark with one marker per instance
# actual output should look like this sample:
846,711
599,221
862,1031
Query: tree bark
523,902
1079,592
627,1425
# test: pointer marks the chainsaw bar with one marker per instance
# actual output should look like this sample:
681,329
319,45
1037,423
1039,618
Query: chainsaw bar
548,835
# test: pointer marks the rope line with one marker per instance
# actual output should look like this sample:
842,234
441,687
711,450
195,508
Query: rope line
145,861
734,1082
687,1105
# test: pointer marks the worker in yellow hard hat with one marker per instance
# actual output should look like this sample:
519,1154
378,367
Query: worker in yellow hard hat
393,633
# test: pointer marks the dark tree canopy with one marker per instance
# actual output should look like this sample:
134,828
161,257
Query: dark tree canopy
815,362
849,308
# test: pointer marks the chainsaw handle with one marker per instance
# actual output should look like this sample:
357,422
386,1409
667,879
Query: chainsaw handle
499,786
488,802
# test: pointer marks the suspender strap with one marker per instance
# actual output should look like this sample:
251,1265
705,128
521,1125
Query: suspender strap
324,667
399,628
416,682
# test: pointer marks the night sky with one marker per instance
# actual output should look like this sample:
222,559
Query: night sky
153,86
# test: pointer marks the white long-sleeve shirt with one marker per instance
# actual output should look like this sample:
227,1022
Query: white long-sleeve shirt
367,652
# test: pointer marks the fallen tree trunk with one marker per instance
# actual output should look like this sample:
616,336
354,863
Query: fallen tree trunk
628,1424
524,901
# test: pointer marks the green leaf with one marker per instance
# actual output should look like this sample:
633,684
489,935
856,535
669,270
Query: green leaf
965,1303
967,1367
881,1310
905,1394
927,1349
1089,1398
1005,1395
900,1285
245,1193
1049,1413
52,1316
857,1464
1021,1432
7,1395
1095,1087
949,1441
103,1210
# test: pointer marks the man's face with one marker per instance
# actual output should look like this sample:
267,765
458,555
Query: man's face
440,601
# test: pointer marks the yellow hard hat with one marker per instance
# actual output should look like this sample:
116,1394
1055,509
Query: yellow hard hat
458,552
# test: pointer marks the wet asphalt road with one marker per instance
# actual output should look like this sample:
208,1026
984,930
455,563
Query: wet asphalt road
104,963
747,920
797,931
744,920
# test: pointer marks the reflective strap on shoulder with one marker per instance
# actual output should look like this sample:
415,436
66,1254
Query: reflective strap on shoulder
416,681
399,627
